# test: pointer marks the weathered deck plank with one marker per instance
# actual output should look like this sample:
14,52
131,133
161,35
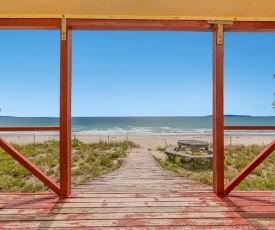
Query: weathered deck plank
140,195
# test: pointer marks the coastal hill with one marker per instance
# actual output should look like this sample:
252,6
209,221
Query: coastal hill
232,115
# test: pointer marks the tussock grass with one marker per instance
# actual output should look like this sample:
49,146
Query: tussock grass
88,161
236,158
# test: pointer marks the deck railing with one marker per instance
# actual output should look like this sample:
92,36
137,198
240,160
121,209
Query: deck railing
24,161
255,162
20,129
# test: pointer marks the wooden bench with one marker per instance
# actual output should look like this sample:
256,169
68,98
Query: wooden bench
174,151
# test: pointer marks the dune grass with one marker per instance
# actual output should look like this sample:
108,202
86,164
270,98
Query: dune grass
88,161
236,158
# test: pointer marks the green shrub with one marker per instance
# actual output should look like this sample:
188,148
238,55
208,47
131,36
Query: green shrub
77,143
106,161
88,161
258,172
237,157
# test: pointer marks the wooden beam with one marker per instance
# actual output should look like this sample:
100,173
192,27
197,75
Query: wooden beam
132,24
249,127
19,129
250,167
29,166
139,25
239,26
29,24
218,119
65,111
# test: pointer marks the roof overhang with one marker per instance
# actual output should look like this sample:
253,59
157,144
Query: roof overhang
235,10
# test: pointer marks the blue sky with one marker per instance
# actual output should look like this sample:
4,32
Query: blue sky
135,73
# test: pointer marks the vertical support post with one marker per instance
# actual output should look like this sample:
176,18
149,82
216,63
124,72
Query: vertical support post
65,108
218,119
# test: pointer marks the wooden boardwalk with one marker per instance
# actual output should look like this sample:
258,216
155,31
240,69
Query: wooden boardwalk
140,195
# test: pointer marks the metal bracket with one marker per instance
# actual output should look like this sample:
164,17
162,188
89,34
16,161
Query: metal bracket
220,34
63,29
224,22
220,24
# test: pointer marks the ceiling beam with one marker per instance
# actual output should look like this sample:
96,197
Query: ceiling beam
133,25
138,25
30,24
250,27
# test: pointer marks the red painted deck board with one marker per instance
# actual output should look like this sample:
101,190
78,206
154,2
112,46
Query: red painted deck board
140,195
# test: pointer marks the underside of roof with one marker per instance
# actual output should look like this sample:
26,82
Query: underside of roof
238,10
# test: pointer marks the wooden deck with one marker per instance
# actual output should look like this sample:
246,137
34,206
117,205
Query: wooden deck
140,195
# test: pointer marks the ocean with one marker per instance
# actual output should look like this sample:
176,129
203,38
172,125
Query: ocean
140,125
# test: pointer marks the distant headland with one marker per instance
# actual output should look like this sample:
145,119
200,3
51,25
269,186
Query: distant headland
232,115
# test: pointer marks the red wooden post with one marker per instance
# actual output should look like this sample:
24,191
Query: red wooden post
65,109
29,166
250,167
218,121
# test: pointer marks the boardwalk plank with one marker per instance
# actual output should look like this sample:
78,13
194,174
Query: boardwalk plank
131,222
140,195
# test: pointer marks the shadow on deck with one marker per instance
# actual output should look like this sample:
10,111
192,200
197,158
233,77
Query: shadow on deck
140,195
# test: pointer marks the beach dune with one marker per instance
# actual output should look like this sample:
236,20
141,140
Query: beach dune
148,142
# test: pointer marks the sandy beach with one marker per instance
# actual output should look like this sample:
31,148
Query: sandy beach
151,142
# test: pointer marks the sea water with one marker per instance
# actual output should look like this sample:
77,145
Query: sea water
194,125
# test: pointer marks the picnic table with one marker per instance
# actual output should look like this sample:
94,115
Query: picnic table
194,145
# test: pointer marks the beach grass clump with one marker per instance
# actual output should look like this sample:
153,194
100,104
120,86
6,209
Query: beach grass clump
88,161
236,158
161,149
